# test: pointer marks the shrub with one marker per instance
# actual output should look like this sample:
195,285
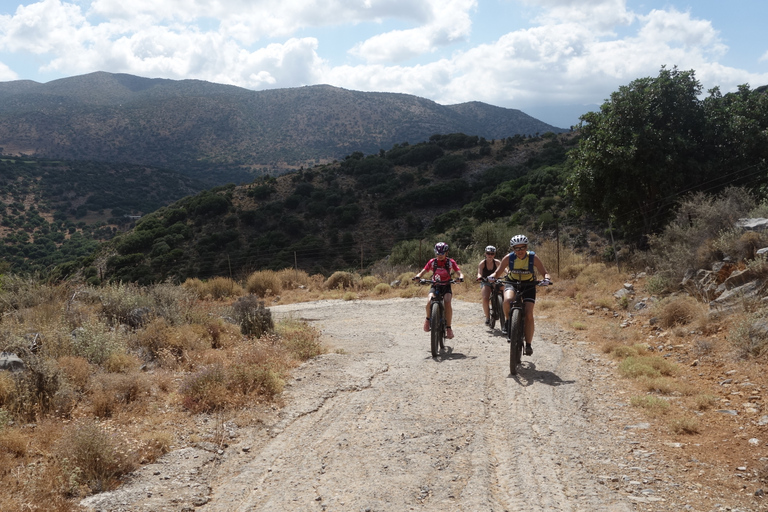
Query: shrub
750,336
705,401
646,366
301,339
35,389
120,362
173,303
100,458
196,286
7,388
350,296
216,288
681,310
263,283
382,289
252,378
685,426
688,241
77,370
205,390
95,342
13,441
223,287
340,280
369,282
292,278
252,315
651,404
154,445
119,302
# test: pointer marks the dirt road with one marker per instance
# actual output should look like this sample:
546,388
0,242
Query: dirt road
383,426
377,424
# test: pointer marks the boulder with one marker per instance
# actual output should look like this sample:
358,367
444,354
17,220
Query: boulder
758,223
10,362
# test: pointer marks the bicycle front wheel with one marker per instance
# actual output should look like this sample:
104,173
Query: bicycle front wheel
516,340
497,305
436,328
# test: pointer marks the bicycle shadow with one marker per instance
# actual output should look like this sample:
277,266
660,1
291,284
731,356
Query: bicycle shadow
527,375
449,354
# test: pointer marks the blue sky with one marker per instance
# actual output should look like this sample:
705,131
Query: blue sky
553,59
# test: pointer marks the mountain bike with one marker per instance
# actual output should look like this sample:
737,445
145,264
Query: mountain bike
496,301
516,323
437,324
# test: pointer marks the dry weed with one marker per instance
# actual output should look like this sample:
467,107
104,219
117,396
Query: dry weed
341,280
653,405
646,366
77,370
679,310
687,426
263,283
14,441
94,456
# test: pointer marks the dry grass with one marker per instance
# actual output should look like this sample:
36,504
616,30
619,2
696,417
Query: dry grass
681,310
652,405
264,283
88,376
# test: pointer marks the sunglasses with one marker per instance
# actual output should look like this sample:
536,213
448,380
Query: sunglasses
490,253
520,248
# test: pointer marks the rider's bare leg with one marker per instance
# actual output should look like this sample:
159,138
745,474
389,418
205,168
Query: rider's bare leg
529,322
448,314
429,312
509,298
486,295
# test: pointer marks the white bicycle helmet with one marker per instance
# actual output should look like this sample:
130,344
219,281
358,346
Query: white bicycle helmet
518,240
490,248
441,248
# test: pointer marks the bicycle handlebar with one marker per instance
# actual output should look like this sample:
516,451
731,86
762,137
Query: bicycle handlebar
539,282
432,281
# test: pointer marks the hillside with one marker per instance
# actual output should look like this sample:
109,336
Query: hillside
223,133
349,214
55,211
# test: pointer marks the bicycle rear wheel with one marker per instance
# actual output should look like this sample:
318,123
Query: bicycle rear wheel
436,329
516,340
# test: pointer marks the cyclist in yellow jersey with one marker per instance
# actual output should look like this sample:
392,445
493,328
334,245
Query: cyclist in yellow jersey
520,266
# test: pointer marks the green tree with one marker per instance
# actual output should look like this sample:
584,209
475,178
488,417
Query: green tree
640,151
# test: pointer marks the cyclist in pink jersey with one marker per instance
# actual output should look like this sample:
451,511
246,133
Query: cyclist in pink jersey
442,267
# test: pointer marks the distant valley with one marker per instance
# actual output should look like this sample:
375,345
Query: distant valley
221,133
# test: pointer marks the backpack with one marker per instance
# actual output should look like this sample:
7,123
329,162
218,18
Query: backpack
448,265
513,257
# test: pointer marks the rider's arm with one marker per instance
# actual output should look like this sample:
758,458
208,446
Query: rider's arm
503,265
540,266
480,270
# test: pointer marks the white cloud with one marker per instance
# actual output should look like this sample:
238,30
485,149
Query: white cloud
448,22
41,27
598,15
7,73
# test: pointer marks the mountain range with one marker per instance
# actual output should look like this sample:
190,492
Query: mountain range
222,133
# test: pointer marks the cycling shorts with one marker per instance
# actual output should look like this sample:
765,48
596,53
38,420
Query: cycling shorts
527,289
440,289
